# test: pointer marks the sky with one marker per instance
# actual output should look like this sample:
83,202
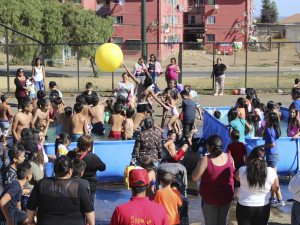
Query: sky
285,7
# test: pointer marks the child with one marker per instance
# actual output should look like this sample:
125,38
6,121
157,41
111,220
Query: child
271,133
59,112
78,123
78,171
66,121
22,120
169,198
89,90
5,116
139,117
128,125
296,98
277,110
242,107
62,143
86,111
251,120
237,123
40,95
11,196
169,145
116,121
256,110
41,116
189,88
262,108
248,100
109,109
32,89
271,105
147,163
171,101
16,156
53,87
217,114
97,119
297,81
293,123
238,152
188,109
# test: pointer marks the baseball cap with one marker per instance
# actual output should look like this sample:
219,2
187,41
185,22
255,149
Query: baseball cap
138,177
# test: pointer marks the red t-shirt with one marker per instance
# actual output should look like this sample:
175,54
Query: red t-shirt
140,211
237,150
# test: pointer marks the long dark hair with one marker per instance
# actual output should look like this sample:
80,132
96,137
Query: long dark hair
61,139
256,103
257,170
273,117
232,115
241,101
39,158
251,118
19,71
37,59
110,105
292,120
155,59
215,143
25,136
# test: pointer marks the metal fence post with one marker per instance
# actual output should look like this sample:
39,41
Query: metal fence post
180,63
7,59
246,65
112,80
78,65
278,65
213,77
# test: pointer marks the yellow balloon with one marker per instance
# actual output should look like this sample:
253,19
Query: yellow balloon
109,57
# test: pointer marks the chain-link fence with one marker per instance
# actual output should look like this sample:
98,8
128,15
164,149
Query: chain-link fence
262,65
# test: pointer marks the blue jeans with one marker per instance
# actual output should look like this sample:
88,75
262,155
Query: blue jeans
39,85
154,77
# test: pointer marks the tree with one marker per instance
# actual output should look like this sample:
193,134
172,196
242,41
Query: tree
269,12
50,21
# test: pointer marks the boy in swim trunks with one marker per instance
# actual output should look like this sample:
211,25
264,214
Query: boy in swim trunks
41,116
97,118
116,120
5,112
128,125
78,123
22,120
67,120
40,95
59,112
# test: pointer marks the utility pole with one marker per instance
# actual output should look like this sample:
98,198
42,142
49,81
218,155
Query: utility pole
144,38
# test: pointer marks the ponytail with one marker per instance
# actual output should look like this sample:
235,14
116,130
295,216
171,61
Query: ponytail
148,122
257,170
61,139
215,143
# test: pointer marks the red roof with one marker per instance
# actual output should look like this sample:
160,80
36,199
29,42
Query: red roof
291,19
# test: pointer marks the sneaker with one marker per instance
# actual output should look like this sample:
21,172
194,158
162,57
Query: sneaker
273,200
221,94
198,118
215,94
278,204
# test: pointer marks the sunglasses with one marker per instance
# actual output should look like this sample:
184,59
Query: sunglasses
21,71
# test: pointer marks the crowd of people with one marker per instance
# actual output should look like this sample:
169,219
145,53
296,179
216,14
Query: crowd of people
30,197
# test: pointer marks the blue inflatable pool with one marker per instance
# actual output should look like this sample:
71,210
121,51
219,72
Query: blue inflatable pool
288,147
115,154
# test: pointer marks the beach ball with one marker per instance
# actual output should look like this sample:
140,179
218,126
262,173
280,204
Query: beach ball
109,57
235,92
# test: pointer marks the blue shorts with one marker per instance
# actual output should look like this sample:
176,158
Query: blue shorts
273,159
75,137
98,128
58,129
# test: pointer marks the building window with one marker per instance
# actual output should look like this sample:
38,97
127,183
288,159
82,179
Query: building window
211,20
211,2
116,1
170,2
175,19
210,37
165,40
118,19
164,20
77,1
193,19
118,40
170,21
165,1
179,20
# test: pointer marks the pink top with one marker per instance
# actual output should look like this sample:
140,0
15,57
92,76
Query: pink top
171,72
292,130
216,185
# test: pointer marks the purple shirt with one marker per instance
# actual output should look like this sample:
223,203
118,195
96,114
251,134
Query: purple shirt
270,137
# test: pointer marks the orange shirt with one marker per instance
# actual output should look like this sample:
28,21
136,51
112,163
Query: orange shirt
170,199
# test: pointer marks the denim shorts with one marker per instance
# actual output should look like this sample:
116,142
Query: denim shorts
273,159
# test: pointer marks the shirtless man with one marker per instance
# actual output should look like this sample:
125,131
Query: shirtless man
86,111
5,112
143,92
116,120
41,116
98,112
67,120
22,120
40,95
59,113
78,123
128,125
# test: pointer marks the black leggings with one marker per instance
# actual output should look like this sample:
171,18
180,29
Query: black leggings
252,215
20,99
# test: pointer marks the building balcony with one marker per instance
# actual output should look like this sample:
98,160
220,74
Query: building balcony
196,10
103,10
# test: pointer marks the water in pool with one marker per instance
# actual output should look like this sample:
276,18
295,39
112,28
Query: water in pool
283,123
52,135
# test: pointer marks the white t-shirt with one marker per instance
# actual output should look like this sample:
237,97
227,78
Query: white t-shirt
255,196
124,89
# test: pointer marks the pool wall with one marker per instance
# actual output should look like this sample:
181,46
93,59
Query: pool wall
288,147
115,154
